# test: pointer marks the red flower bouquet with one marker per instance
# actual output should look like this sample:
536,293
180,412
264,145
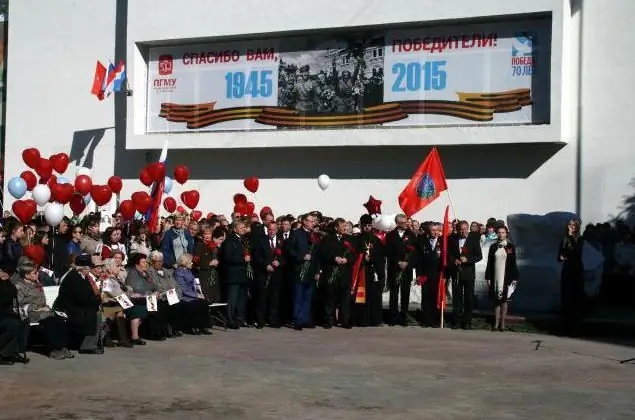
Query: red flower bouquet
410,249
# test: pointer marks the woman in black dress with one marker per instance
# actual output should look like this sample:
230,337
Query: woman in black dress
501,275
572,277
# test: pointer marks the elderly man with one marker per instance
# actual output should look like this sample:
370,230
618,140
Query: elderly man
236,261
80,298
164,280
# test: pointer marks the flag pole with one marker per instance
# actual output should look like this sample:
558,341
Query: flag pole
451,203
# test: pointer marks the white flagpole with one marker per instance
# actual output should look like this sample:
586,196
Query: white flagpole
451,204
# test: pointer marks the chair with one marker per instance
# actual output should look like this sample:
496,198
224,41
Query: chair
216,312
50,294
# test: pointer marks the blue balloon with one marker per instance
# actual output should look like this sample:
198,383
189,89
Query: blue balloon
87,199
62,180
167,185
17,187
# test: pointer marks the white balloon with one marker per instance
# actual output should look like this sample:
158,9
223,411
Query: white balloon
382,222
391,221
83,171
41,194
324,181
53,213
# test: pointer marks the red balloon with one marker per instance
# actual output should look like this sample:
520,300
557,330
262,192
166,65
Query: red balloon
77,204
52,181
156,171
239,198
59,162
250,207
145,177
196,215
142,201
180,209
169,204
24,210
35,253
240,208
181,174
101,194
44,169
127,209
83,184
373,206
30,179
209,215
190,198
251,184
115,184
31,157
265,210
62,193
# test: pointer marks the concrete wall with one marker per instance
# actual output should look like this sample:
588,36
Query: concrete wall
53,47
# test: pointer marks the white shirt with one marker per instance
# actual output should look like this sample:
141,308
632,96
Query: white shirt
401,232
462,242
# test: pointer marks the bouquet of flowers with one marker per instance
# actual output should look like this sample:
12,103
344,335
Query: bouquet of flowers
306,265
348,252
213,272
246,253
277,254
409,250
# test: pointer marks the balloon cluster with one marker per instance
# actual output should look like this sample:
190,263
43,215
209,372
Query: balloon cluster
53,192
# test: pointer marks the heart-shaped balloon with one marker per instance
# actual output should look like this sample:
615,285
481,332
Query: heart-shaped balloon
115,184
169,204
62,193
181,174
127,209
59,162
83,184
239,198
190,198
180,209
142,201
24,210
145,178
240,208
251,207
35,253
31,157
101,194
44,169
196,215
30,179
156,171
77,204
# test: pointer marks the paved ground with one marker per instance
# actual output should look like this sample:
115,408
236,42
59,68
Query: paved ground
382,373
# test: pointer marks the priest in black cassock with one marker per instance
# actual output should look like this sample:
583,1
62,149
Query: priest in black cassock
369,313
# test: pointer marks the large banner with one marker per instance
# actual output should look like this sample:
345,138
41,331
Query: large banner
494,73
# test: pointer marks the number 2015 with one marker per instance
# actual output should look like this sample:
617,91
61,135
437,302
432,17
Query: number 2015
254,84
409,76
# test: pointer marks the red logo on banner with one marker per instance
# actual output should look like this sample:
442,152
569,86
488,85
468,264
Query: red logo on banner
165,65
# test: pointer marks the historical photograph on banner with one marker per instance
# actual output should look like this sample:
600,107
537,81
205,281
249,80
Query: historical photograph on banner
462,74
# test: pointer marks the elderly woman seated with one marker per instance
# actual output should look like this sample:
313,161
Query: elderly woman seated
80,299
140,281
164,279
113,288
118,256
194,307
32,301
14,332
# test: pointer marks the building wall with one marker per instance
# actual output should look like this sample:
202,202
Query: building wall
492,171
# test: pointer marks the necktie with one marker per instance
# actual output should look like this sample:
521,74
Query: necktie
271,243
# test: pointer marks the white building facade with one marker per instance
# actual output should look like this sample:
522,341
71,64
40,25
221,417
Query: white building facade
565,147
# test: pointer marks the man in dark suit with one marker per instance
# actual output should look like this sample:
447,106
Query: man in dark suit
268,264
429,246
400,252
337,256
302,251
235,257
464,251
374,264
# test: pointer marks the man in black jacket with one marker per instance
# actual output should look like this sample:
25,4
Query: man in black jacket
429,246
235,262
302,248
464,251
400,252
268,264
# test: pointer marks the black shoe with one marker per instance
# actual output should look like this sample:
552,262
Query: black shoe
309,326
206,331
177,334
259,326
233,327
6,361
467,327
297,327
18,358
193,332
108,342
455,327
138,342
501,329
94,351
275,325
328,326
347,327
246,325
126,344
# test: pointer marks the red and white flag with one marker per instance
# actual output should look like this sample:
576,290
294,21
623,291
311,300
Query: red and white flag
98,81
425,186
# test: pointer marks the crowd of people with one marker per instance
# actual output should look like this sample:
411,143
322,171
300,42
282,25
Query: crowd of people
126,285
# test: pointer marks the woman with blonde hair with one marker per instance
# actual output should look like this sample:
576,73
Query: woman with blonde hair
572,293
194,307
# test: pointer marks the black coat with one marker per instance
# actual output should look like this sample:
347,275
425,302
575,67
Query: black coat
232,261
299,244
8,300
397,250
511,268
429,259
58,255
377,263
471,251
332,247
78,300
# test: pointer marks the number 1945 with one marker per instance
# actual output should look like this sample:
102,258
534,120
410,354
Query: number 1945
254,84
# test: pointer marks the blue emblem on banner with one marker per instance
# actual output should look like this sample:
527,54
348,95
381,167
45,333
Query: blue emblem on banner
425,187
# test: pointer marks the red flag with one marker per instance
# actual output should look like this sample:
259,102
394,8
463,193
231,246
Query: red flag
444,258
98,81
425,186
157,196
